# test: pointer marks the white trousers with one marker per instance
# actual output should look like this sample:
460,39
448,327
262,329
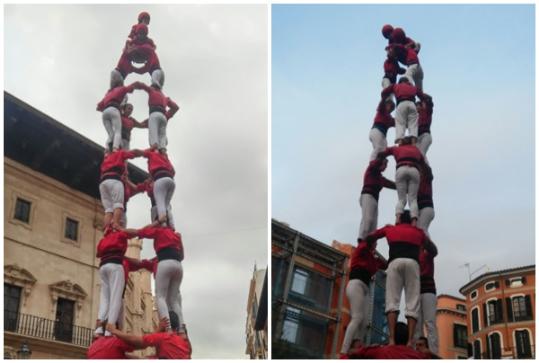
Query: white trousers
427,320
403,274
112,288
405,118
112,194
158,77
415,73
170,216
423,143
157,130
125,144
168,279
358,297
369,215
112,120
163,189
426,215
407,181
379,142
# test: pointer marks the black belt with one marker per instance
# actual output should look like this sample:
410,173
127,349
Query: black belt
403,250
411,99
113,104
162,174
111,176
361,274
105,260
157,109
169,253
380,127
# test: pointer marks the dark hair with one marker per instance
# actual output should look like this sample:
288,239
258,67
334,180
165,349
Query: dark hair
406,217
403,79
401,333
425,340
174,321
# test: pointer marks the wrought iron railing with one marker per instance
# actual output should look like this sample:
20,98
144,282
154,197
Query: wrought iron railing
35,326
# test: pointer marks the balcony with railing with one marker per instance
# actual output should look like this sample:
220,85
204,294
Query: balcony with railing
46,329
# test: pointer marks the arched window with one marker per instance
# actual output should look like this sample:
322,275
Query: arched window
477,349
475,320
522,342
494,346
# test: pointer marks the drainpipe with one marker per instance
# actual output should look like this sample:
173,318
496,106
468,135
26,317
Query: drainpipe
288,282
339,310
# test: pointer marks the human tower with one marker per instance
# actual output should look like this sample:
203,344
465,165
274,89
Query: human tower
170,340
410,265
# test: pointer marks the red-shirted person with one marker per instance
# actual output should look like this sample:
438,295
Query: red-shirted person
409,160
168,344
109,348
111,186
427,315
111,251
128,123
399,350
168,247
162,173
382,122
112,119
373,182
406,113
424,120
363,265
130,189
391,68
424,199
143,18
405,242
408,56
398,36
162,109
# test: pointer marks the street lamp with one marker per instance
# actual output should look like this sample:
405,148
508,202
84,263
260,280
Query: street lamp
25,352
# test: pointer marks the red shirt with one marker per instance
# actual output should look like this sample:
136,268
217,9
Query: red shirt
156,98
424,194
426,267
114,162
424,118
127,125
383,119
108,348
114,96
168,345
404,240
129,191
402,91
163,237
405,155
373,181
158,161
112,246
387,352
363,257
405,55
391,69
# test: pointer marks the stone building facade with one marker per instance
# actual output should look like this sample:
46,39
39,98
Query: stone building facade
52,224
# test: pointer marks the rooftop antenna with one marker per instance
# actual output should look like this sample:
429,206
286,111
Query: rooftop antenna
470,274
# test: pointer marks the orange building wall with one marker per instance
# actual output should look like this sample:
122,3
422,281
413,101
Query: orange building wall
506,329
447,315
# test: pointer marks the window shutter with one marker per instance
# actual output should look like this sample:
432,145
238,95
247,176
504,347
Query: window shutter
528,306
507,282
523,280
470,350
509,308
485,317
488,347
497,284
499,311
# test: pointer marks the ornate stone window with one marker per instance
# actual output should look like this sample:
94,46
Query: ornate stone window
18,276
68,290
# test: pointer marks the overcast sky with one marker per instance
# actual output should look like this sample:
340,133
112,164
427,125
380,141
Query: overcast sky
479,67
58,59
